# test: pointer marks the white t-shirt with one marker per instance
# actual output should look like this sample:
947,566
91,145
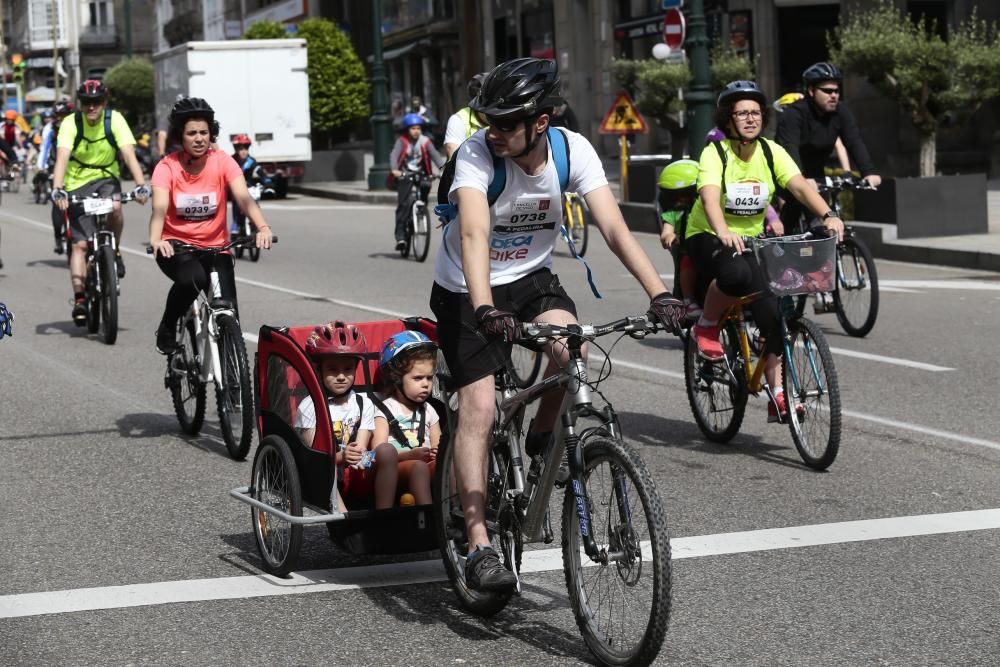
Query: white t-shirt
454,133
343,416
409,422
526,217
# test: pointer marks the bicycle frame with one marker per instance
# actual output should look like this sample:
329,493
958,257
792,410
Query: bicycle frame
206,332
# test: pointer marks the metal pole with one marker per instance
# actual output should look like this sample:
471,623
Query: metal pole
55,51
623,142
381,122
700,100
128,28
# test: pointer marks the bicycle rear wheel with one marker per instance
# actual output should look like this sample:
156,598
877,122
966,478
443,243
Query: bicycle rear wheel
717,391
233,393
621,602
449,520
578,227
420,233
856,296
526,364
812,394
108,294
275,482
184,379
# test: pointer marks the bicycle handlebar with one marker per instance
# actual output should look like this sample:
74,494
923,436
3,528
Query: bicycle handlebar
125,198
634,325
187,247
837,184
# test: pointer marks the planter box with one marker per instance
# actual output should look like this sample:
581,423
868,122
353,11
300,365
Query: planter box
934,206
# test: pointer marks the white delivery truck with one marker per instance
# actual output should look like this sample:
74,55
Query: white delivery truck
258,87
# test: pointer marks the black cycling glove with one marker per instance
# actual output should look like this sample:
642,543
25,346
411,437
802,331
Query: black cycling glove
668,310
497,323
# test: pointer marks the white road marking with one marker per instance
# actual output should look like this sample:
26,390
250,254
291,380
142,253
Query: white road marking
542,560
921,365
992,286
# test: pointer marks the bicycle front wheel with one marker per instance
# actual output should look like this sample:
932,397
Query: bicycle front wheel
812,394
108,294
184,379
233,393
717,390
451,534
93,295
856,296
621,601
526,364
420,234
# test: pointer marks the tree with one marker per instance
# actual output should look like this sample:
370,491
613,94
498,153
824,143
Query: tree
931,78
265,29
338,84
132,89
654,85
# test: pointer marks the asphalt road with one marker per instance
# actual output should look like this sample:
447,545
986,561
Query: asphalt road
102,494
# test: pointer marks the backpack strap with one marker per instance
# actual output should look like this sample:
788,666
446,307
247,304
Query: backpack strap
108,136
560,155
395,430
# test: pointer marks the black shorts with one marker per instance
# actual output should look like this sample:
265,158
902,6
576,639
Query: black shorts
82,226
469,354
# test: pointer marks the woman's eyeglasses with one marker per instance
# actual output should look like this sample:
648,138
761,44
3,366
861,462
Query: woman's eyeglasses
746,115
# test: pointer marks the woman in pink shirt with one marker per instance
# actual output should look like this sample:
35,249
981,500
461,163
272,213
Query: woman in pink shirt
189,207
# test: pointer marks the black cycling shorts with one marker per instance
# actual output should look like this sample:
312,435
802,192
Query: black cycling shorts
469,354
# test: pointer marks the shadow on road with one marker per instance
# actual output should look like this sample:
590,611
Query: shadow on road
378,255
61,327
59,263
158,425
656,431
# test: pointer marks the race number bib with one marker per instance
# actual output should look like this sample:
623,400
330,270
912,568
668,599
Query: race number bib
94,206
746,199
196,206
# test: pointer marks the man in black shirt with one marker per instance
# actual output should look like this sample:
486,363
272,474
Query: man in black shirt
809,128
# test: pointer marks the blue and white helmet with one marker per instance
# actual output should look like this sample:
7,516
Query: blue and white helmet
400,342
6,321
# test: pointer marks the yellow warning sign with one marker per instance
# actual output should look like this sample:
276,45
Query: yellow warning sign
623,117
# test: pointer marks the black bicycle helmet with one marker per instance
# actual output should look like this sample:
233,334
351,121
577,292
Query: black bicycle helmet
741,90
92,89
476,84
820,72
519,87
184,110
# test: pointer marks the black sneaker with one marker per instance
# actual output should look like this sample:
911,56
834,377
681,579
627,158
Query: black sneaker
484,572
166,342
400,245
120,263
58,249
80,313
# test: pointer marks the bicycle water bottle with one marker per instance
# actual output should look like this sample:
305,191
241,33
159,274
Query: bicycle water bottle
216,286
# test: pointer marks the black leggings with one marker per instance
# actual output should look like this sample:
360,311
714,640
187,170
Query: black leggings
190,273
737,276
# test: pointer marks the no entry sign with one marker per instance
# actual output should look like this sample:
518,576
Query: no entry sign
673,29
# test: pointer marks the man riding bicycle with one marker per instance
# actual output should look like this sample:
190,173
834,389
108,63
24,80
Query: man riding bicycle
413,153
809,128
87,149
494,270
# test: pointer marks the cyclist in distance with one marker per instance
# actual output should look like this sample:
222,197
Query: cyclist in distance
189,207
737,178
494,270
7,159
413,153
465,122
253,173
809,129
87,149
47,163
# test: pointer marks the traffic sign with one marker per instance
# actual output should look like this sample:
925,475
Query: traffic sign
623,117
673,29
670,4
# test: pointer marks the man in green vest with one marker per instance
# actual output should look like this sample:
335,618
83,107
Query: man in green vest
464,123
87,150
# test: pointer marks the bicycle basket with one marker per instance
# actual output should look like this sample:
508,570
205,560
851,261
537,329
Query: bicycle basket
799,264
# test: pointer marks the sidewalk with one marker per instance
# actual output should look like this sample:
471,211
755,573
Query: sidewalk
970,251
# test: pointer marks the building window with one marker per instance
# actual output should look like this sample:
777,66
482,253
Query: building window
101,13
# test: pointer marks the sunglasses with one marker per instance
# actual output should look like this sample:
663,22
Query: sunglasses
504,124
830,91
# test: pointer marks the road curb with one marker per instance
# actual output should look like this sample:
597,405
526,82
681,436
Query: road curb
376,197
880,238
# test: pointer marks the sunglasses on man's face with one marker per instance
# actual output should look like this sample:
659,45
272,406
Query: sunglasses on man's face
504,124
830,91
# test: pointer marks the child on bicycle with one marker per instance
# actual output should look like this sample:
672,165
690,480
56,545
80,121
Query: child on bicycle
676,197
413,153
412,426
336,348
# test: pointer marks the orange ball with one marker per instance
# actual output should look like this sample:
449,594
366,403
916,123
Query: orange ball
407,499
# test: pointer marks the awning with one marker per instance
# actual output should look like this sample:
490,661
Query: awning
402,50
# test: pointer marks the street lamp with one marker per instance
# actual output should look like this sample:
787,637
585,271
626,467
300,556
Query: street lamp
381,121
699,98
